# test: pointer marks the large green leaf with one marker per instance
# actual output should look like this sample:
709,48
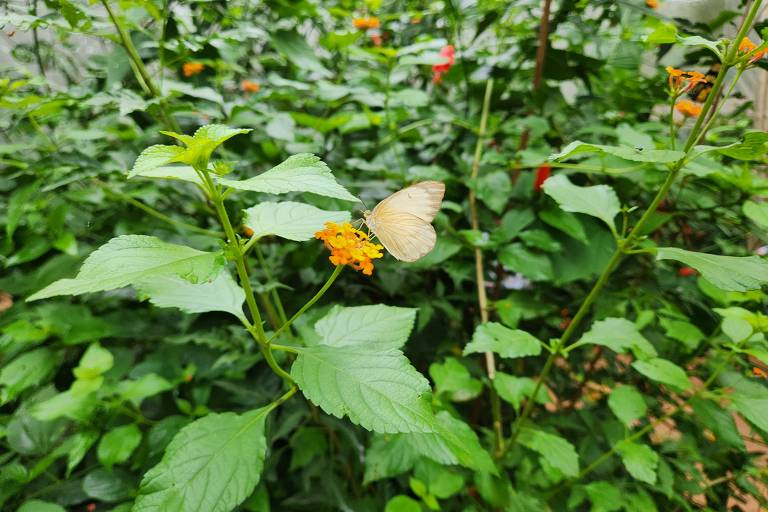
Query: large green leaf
130,259
598,201
663,371
618,334
154,157
556,450
377,389
752,146
378,326
757,213
294,221
730,273
639,154
221,294
754,408
494,337
299,173
211,465
640,460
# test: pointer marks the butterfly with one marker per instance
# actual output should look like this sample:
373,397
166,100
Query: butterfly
402,221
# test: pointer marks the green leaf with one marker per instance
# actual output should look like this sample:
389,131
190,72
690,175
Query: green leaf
511,343
293,45
110,486
299,173
715,46
294,221
378,326
533,265
565,222
145,386
129,259
154,157
516,389
377,389
211,465
95,361
754,409
118,444
494,189
453,378
660,156
557,451
757,213
598,201
640,460
618,334
605,496
753,145
29,369
627,404
402,503
40,506
730,273
685,332
220,294
171,172
663,371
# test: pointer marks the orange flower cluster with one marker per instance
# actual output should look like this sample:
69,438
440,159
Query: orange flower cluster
449,53
192,68
250,86
366,23
746,46
683,81
688,108
652,3
350,246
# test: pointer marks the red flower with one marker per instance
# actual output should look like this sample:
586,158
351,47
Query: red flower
687,272
449,53
542,173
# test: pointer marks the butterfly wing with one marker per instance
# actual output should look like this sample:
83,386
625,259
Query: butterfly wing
421,200
405,236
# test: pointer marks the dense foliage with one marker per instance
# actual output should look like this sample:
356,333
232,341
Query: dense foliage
174,337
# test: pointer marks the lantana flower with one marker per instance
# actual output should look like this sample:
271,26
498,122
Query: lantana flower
543,172
192,68
366,23
449,53
250,86
747,46
652,4
350,246
688,108
683,81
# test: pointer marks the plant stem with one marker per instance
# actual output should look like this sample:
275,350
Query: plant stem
273,292
482,297
309,304
139,69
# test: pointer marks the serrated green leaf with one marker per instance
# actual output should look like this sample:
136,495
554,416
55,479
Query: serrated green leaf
211,465
511,343
118,444
640,460
757,213
598,201
299,173
221,294
663,371
453,378
377,326
377,389
627,404
556,450
661,156
618,334
294,221
129,259
153,157
730,273
516,389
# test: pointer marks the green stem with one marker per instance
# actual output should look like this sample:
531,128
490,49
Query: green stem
308,305
142,75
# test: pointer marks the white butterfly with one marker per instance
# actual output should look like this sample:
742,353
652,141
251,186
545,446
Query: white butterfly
402,221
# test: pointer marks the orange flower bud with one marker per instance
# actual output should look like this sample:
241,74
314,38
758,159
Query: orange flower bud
192,68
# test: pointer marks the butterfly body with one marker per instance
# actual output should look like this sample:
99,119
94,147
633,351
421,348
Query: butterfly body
402,221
